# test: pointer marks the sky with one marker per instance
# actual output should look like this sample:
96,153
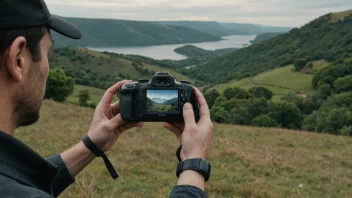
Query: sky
162,94
289,13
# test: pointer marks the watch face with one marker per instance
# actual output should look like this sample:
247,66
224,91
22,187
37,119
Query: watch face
199,165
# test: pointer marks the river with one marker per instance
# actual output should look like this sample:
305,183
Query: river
160,52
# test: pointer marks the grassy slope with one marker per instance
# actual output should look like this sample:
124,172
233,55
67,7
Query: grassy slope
283,80
246,161
104,64
94,93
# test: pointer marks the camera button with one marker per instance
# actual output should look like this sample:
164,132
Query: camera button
130,85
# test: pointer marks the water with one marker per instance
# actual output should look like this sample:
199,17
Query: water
160,52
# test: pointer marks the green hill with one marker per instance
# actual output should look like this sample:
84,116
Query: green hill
265,36
280,81
253,28
246,161
210,27
226,29
115,33
101,70
192,51
322,39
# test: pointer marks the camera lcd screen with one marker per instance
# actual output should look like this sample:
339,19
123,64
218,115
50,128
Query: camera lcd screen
162,101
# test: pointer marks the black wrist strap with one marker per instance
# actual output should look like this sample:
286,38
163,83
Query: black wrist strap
92,147
199,165
178,153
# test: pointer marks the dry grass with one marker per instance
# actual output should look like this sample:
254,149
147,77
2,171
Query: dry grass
247,161
339,16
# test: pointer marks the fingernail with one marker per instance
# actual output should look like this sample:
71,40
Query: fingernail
187,106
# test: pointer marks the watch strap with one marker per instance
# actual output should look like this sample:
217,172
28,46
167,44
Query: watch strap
199,165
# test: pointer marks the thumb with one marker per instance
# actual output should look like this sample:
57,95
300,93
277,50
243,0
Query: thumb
188,115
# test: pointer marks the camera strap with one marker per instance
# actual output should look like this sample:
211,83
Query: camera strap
92,147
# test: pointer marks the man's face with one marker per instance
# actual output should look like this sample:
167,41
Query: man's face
29,96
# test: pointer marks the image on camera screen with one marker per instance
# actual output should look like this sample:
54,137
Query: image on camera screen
162,100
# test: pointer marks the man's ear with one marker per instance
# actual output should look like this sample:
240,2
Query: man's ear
15,59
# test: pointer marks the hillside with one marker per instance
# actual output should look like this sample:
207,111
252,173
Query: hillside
102,70
116,33
192,51
321,39
253,28
265,36
226,29
246,161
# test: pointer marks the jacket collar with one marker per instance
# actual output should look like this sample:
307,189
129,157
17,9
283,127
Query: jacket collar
21,163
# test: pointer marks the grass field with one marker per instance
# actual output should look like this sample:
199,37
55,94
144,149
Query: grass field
246,161
95,94
280,81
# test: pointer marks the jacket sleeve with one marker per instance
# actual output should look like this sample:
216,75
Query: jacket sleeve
186,191
9,188
63,179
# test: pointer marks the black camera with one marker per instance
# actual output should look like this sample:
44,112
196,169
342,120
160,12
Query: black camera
160,100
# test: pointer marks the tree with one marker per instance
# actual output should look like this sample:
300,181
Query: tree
343,84
211,96
219,114
300,63
85,80
58,85
236,92
83,98
264,121
259,92
333,121
285,114
324,91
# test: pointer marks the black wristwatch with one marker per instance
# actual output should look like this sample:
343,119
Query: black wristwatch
199,165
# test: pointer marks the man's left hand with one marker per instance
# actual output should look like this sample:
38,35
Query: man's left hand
107,124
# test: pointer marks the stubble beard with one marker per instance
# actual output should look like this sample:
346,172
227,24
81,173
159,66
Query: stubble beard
28,100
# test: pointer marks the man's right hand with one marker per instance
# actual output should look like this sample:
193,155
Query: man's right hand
195,137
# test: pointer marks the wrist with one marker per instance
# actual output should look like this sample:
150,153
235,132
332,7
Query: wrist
193,178
84,150
195,156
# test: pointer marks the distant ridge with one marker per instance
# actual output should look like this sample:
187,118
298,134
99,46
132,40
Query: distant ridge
118,33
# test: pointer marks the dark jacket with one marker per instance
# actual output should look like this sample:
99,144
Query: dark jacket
23,173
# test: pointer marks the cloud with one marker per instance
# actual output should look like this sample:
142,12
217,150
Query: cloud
266,12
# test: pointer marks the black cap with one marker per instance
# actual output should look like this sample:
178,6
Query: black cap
15,14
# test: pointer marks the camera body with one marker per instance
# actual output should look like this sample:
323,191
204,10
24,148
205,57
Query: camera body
160,100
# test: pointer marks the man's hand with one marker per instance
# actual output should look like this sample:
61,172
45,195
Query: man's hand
107,124
195,137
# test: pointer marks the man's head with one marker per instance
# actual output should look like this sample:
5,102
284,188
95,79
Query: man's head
25,42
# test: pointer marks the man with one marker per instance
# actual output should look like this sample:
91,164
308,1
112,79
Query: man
25,42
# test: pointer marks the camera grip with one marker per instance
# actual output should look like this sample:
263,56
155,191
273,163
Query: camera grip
126,107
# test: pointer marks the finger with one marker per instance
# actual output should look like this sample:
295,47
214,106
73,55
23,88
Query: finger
203,106
111,92
174,129
116,122
188,115
115,108
179,124
130,125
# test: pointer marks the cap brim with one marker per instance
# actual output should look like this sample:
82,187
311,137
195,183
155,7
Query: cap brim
61,26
